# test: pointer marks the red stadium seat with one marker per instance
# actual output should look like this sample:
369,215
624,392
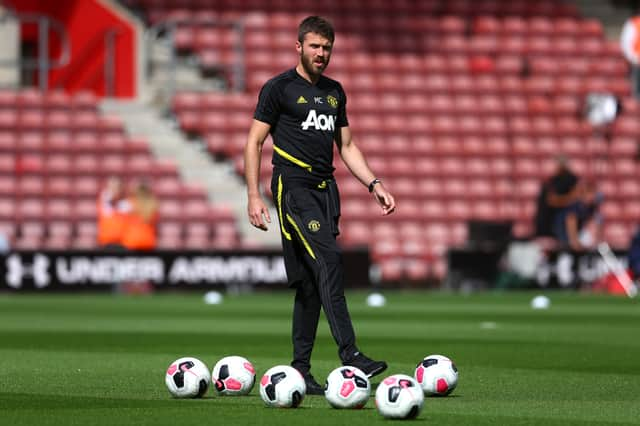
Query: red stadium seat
30,187
28,242
85,121
8,99
8,166
60,229
87,229
8,143
84,101
437,232
354,210
477,167
8,230
629,189
58,165
355,234
8,119
452,167
83,242
58,120
590,28
500,167
84,210
112,144
86,164
8,187
617,234
485,210
139,166
457,210
31,120
480,188
447,145
417,270
86,143
30,98
385,249
7,209
433,209
60,209
86,187
56,243
59,142
30,209
30,143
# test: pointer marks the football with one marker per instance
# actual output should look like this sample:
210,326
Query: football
233,375
347,387
282,386
187,377
437,375
399,397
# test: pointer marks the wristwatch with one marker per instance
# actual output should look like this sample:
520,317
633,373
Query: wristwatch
373,183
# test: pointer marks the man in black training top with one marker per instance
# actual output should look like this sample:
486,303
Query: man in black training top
305,113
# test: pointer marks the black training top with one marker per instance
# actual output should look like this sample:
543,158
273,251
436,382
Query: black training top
304,119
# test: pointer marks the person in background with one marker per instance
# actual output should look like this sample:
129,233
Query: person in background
140,232
579,225
113,209
557,192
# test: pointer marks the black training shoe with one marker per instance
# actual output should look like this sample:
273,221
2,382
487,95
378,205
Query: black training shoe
313,387
367,365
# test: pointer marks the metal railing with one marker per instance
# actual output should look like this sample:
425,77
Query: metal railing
110,61
43,63
168,29
81,58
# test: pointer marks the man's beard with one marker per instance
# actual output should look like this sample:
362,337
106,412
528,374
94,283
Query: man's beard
310,67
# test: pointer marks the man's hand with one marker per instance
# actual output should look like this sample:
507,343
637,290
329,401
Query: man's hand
384,198
258,212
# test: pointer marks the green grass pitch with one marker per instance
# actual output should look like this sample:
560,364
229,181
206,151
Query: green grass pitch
100,359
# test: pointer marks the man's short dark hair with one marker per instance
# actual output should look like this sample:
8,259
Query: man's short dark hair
318,25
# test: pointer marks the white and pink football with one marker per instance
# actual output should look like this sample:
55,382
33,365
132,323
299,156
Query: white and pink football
437,375
233,375
347,387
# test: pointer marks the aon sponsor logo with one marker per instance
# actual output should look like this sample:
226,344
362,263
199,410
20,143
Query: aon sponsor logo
319,121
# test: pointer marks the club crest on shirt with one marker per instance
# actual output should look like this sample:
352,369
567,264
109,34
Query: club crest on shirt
313,225
332,101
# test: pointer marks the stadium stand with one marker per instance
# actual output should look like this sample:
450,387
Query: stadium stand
459,105
56,152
